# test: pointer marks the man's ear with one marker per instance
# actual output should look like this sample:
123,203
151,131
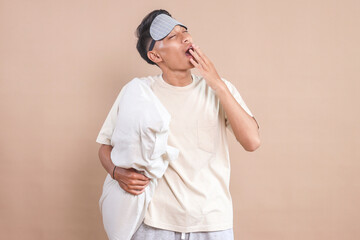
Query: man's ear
154,56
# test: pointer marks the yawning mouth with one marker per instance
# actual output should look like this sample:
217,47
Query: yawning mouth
187,53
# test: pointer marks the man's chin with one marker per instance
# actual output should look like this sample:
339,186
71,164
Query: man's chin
189,62
192,65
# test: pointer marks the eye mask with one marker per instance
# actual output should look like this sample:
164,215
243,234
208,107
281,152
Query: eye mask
161,26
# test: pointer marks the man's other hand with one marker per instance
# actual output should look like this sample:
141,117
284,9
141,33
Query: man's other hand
130,180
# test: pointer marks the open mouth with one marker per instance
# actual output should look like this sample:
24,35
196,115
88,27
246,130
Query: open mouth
187,53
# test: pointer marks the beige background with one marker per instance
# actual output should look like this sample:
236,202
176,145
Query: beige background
296,64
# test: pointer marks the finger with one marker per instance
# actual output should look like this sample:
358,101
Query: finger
194,63
139,176
132,182
137,183
124,187
197,57
201,54
138,192
131,191
136,187
127,174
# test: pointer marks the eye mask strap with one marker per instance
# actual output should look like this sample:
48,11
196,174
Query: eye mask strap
152,44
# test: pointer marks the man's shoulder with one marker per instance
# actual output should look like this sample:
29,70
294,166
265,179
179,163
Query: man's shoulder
148,80
134,83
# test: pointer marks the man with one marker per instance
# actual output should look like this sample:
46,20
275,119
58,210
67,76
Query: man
192,199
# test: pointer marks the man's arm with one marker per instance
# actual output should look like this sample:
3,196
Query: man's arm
128,179
244,126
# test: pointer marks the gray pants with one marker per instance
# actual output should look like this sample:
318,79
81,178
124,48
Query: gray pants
150,233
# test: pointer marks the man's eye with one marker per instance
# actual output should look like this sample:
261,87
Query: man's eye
175,34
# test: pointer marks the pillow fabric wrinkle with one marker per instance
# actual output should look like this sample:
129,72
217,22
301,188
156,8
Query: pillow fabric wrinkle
139,141
160,144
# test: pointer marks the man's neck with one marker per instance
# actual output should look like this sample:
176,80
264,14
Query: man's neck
179,78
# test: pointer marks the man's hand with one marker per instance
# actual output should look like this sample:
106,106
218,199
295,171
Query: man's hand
128,179
131,181
244,127
206,68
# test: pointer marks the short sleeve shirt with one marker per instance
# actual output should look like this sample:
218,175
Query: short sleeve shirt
193,195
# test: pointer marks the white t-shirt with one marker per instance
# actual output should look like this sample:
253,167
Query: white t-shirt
193,195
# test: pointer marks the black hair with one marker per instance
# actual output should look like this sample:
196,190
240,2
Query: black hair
143,34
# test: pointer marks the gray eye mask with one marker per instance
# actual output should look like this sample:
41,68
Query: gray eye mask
161,26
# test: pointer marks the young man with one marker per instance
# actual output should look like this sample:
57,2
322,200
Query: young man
192,199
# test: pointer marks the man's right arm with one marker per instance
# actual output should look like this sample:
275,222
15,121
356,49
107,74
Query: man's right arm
128,179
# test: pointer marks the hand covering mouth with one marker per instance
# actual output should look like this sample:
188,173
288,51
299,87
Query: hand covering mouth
187,52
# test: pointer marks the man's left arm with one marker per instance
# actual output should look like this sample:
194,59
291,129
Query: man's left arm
244,126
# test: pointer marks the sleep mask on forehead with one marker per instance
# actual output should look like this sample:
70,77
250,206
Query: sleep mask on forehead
161,26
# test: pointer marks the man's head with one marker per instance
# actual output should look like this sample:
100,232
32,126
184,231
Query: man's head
168,38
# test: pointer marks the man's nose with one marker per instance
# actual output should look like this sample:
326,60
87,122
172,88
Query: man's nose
187,39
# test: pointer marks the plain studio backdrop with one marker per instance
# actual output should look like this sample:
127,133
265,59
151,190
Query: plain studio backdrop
295,63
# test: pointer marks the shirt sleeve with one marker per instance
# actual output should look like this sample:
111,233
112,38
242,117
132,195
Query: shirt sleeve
240,100
107,129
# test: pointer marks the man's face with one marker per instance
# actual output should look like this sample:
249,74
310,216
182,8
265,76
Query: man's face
170,51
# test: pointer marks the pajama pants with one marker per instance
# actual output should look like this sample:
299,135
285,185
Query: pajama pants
150,233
